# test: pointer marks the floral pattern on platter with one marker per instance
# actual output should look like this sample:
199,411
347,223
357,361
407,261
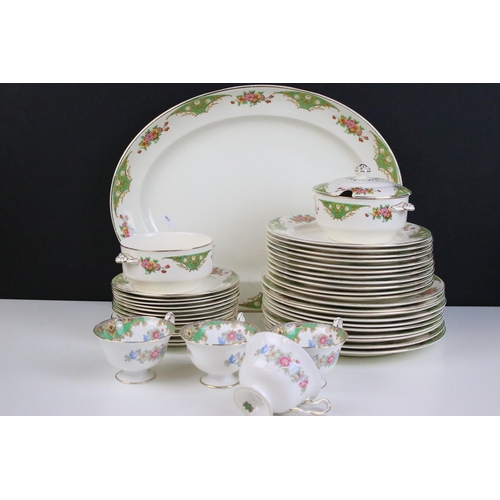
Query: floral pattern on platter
252,98
351,126
307,101
143,356
340,211
126,229
382,212
190,262
235,359
253,302
384,160
199,106
121,182
151,136
326,360
152,265
286,363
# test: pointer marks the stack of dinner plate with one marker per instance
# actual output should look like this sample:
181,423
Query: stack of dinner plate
387,294
216,298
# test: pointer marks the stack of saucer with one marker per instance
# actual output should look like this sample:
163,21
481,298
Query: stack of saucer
216,298
387,294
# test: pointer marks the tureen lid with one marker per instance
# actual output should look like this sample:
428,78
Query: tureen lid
362,185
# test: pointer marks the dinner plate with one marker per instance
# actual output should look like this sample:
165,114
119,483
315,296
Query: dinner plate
298,314
226,162
361,272
307,286
395,350
434,291
345,253
304,229
365,259
344,310
331,279
349,280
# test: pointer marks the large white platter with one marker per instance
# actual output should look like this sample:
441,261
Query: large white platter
227,162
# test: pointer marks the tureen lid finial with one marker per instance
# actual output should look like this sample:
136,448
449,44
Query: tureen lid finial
363,169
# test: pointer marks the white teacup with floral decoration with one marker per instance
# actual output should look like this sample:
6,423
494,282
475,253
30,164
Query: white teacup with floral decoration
217,347
322,341
134,345
277,376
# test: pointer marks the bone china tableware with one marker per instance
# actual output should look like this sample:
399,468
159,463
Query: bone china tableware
218,349
232,159
321,341
166,262
135,345
361,209
277,376
387,294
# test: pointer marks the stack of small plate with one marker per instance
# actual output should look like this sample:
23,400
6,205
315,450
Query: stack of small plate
216,298
387,294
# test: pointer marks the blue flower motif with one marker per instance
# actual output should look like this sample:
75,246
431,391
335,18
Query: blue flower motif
133,355
146,337
264,349
239,337
311,343
232,359
221,340
293,367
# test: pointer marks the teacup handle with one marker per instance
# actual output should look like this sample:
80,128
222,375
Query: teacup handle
240,317
312,403
170,317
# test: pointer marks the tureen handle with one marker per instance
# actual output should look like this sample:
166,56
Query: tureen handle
125,258
400,207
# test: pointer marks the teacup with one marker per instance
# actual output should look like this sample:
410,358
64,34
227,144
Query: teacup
323,342
135,345
217,348
277,376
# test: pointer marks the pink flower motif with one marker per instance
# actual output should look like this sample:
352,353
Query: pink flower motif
322,340
156,334
303,383
231,336
284,361
385,212
154,354
148,137
330,359
350,124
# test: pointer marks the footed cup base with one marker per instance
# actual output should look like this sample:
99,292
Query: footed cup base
140,377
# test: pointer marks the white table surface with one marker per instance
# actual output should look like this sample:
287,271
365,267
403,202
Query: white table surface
52,364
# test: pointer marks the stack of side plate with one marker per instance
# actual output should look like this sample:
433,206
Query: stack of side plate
387,294
216,298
